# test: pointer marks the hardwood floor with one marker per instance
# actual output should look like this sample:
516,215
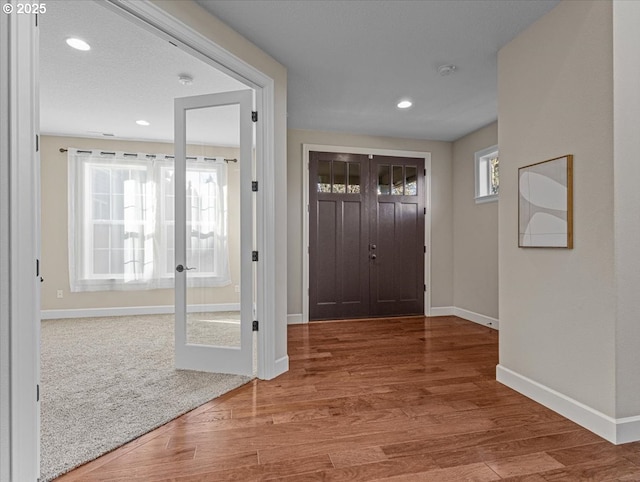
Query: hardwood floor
398,399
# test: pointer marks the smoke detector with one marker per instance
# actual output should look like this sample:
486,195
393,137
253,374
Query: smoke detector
447,69
185,79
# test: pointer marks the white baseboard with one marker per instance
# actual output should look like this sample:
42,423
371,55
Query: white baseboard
465,314
281,366
477,318
133,310
617,431
294,319
441,311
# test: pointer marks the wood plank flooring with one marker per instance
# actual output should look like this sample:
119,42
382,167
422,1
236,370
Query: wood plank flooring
391,399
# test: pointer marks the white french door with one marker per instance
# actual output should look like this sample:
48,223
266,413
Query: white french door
213,234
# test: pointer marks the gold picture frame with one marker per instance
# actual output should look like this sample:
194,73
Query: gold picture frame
545,204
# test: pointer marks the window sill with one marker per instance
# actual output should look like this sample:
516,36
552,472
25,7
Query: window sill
487,199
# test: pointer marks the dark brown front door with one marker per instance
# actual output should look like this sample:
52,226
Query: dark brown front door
366,236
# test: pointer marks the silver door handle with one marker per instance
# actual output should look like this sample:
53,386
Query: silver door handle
181,268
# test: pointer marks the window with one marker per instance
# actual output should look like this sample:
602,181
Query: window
403,180
121,221
338,177
487,175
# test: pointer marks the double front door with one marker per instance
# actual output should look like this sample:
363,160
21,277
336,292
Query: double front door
366,236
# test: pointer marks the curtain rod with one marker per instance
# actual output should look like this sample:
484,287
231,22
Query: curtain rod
150,156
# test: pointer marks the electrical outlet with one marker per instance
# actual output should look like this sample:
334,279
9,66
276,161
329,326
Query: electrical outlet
60,294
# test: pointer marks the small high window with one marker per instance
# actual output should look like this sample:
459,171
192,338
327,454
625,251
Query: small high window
487,175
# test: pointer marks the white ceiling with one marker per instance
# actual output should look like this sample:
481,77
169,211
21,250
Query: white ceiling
129,74
349,62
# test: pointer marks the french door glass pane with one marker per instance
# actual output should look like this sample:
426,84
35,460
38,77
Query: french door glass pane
339,177
411,181
398,181
354,178
213,228
384,178
324,176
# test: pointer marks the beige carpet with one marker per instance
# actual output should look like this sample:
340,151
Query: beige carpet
105,381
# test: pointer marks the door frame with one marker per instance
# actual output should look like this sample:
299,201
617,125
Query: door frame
306,149
154,19
19,250
19,293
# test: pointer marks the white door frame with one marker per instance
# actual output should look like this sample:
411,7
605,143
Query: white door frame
19,250
153,18
19,291
306,149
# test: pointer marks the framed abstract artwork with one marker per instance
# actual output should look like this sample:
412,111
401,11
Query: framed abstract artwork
545,204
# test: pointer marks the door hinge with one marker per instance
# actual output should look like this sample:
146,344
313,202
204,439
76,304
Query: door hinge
37,267
254,116
255,325
36,15
424,287
254,186
425,172
254,256
424,249
425,211
37,393
37,143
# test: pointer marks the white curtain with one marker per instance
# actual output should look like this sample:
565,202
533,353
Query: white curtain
121,221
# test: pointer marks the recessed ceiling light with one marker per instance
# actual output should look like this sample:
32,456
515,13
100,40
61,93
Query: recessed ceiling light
185,79
142,122
78,44
404,104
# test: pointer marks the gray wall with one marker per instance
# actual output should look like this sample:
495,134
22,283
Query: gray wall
626,74
475,230
441,199
557,306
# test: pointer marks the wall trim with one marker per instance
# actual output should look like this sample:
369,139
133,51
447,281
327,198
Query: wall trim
295,319
281,366
20,248
477,318
134,310
617,431
441,311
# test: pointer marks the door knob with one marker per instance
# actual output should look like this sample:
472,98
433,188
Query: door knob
181,268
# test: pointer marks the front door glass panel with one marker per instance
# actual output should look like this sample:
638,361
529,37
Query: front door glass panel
384,187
